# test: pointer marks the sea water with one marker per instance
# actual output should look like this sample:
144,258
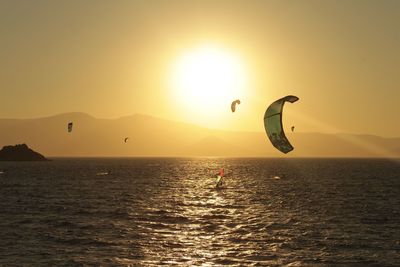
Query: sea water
166,211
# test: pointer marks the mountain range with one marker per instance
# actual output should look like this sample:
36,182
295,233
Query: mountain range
151,136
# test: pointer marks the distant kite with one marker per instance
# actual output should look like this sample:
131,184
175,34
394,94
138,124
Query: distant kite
233,105
273,124
70,127
126,139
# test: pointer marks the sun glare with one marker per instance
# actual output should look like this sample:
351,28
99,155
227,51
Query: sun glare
208,77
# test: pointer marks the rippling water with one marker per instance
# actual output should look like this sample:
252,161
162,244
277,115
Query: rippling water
152,212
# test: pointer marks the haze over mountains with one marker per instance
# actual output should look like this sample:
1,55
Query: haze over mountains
151,136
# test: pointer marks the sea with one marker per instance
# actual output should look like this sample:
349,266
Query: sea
167,212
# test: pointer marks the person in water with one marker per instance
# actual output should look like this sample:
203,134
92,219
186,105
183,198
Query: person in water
219,178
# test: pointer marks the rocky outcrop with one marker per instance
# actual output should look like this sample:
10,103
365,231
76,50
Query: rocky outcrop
20,152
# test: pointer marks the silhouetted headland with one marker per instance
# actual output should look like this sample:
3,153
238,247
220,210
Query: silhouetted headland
20,152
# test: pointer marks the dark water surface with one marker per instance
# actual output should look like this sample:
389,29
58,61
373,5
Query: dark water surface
152,212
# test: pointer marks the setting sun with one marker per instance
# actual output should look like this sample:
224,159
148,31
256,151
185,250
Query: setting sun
207,76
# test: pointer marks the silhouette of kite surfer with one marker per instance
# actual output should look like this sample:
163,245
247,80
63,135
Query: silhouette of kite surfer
219,178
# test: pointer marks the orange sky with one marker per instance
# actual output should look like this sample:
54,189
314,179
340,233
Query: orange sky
115,58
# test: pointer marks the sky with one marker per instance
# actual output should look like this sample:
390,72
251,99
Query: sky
117,58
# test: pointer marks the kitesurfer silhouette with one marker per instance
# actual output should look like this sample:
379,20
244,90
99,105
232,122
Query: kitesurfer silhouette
219,178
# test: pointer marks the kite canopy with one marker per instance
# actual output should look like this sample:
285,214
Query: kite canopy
70,127
273,124
126,139
233,105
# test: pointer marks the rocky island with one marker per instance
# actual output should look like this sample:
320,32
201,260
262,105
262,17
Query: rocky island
20,152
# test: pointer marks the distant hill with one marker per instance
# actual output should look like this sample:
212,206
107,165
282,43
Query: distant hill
151,136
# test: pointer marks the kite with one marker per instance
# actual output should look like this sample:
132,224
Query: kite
273,124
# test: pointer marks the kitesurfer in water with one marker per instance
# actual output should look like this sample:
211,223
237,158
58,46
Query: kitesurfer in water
219,178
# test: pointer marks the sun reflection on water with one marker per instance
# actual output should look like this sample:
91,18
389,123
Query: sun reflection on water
204,226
